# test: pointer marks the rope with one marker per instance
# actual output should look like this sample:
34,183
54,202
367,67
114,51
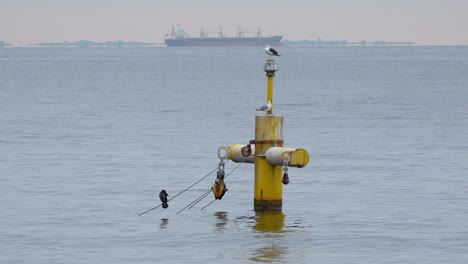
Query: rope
194,202
181,191
208,204
226,177
203,196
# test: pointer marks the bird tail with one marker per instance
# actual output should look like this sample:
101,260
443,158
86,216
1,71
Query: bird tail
165,205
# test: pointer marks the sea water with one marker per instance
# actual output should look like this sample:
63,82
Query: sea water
89,136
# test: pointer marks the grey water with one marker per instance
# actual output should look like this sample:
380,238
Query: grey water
88,138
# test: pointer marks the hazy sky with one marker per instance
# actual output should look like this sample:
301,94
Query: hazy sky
426,22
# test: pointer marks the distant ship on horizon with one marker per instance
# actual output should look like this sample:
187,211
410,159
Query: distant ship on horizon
178,38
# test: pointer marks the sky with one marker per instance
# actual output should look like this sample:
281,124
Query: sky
426,22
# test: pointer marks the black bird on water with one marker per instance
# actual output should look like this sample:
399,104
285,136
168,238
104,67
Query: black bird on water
163,196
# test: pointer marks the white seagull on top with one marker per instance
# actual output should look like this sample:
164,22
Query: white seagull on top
271,51
265,108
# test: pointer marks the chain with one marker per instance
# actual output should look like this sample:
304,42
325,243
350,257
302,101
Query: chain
220,174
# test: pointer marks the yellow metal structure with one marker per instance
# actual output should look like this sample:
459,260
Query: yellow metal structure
268,193
234,153
268,153
268,189
270,68
295,157
270,94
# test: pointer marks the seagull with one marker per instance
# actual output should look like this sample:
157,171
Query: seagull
271,51
163,196
265,108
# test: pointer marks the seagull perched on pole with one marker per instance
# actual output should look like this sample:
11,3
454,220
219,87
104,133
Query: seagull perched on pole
271,51
265,108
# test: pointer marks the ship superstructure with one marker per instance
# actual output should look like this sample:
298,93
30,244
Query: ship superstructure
178,37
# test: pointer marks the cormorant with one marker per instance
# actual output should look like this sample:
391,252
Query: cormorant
163,196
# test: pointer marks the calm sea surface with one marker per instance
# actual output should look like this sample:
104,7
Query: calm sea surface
88,138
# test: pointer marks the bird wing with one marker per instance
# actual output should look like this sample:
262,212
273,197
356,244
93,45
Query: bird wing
273,51
263,108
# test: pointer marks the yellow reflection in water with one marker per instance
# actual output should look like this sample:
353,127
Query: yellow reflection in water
271,226
269,221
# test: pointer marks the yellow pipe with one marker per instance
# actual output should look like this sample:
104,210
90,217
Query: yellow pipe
295,157
268,193
268,185
270,93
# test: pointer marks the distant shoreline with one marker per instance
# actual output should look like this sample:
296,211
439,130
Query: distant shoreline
286,43
121,43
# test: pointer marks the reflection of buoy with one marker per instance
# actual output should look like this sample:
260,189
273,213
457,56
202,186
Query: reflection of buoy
269,221
163,196
219,187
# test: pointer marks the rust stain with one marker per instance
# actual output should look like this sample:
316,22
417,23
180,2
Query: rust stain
266,141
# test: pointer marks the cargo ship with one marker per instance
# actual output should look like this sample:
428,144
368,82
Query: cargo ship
178,38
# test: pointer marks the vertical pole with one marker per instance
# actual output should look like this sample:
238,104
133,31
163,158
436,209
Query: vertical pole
268,195
270,92
270,68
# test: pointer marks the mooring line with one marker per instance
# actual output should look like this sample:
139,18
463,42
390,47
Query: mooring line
208,204
239,164
201,198
181,191
194,202
225,177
